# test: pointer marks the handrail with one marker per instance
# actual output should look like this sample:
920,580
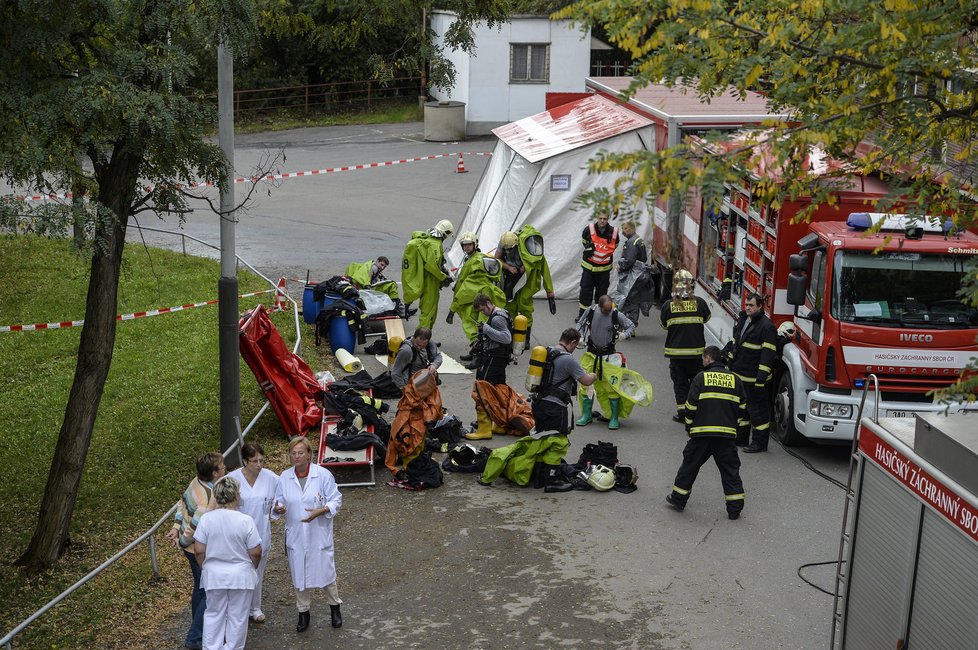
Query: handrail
6,641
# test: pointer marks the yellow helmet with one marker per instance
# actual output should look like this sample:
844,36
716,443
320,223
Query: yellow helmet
508,239
445,228
468,238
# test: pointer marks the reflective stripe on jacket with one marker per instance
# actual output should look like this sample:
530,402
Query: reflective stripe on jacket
599,259
717,404
683,321
755,349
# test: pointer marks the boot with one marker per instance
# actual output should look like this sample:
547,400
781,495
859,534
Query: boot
483,430
556,481
303,623
465,357
615,406
585,418
498,430
538,477
334,615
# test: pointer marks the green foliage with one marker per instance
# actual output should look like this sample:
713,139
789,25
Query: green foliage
889,87
160,410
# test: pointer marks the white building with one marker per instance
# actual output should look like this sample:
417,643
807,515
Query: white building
514,66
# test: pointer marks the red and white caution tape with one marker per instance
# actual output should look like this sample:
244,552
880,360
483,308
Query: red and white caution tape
277,177
132,316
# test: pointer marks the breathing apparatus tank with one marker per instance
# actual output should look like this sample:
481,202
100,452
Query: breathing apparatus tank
393,345
519,333
534,373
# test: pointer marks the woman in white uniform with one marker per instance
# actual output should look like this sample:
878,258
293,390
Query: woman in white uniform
228,548
308,497
258,486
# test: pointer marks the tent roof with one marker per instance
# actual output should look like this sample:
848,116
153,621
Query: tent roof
569,126
683,104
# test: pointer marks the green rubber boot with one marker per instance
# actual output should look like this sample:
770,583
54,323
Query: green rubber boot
613,422
585,418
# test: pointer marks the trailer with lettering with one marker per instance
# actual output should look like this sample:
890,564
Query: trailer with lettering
909,579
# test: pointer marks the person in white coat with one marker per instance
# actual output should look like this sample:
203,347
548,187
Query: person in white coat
258,487
309,499
228,548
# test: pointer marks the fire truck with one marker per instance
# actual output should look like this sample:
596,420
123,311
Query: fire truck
868,293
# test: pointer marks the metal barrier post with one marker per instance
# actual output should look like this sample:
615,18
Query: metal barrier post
152,556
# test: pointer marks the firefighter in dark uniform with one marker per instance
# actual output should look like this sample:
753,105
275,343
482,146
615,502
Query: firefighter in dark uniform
683,317
600,240
715,414
753,352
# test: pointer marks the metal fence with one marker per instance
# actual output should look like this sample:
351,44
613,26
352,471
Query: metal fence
334,97
150,535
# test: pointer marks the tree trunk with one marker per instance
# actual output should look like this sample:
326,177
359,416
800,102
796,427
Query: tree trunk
52,534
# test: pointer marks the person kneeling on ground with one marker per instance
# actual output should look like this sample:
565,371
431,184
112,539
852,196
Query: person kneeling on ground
416,353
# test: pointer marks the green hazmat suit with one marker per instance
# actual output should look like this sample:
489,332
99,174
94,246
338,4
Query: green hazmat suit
618,383
537,273
516,461
360,274
473,279
422,274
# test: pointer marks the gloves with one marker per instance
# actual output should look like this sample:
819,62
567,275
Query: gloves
553,304
451,318
480,327
446,282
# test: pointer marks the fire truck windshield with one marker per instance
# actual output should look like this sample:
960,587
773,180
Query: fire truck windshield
900,289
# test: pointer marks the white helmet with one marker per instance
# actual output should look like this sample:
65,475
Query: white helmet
468,238
444,228
600,478
508,239
787,329
682,284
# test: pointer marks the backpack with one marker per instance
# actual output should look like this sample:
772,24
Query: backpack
507,349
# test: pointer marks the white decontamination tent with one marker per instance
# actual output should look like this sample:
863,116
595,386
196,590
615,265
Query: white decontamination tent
538,168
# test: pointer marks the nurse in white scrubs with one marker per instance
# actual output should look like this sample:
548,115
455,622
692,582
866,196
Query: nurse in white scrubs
228,549
309,499
258,487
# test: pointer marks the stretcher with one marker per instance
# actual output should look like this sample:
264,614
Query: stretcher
347,458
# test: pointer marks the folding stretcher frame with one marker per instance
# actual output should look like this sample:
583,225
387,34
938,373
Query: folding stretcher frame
359,458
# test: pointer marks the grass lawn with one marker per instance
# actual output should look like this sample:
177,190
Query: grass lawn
160,410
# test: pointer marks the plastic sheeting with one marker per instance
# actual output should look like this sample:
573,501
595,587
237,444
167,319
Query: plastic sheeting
516,190
286,379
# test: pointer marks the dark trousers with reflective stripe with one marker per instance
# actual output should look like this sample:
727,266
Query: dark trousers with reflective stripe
700,449
682,370
759,412
594,284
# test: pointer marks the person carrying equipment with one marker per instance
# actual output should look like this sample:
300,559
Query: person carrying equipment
370,275
599,240
495,345
715,414
478,273
635,291
523,279
423,273
551,393
601,325
683,317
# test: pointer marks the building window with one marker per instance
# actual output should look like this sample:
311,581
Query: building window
529,62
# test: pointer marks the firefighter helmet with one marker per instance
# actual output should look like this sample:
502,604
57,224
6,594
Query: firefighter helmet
682,284
444,228
468,238
508,239
600,478
787,329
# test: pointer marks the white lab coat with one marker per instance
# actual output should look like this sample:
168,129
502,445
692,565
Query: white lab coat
309,545
256,502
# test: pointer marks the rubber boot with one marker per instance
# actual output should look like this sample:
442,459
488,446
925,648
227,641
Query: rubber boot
303,623
585,418
483,430
615,406
498,429
556,481
336,619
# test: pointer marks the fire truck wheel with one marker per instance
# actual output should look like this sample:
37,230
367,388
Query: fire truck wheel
784,408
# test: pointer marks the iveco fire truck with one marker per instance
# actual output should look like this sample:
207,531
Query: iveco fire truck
868,294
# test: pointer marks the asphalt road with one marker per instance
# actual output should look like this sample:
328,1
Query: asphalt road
466,566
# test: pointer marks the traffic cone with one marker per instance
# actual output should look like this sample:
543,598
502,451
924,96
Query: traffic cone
460,167
280,295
